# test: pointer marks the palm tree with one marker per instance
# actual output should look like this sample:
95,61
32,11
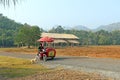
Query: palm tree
8,2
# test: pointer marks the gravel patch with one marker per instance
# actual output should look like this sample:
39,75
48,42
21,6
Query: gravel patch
63,74
109,74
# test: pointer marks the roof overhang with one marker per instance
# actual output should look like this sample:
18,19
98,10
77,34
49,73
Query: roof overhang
60,41
73,41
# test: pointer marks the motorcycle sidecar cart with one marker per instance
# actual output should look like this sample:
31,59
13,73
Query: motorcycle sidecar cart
49,53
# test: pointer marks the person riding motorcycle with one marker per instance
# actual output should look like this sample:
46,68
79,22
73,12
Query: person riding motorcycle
40,48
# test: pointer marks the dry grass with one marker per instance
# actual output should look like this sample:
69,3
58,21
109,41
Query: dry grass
14,67
92,51
20,50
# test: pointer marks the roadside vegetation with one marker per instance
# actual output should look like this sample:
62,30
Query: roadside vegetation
21,69
14,67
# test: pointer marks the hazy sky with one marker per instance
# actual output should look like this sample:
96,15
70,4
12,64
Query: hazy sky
48,13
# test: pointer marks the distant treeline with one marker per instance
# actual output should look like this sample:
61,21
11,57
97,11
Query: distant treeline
101,37
17,34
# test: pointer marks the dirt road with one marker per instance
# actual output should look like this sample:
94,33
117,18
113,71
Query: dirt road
107,67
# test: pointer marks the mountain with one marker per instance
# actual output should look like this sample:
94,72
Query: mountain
78,27
81,27
67,28
110,27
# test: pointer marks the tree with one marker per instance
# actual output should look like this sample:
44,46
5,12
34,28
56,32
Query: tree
8,29
28,35
91,38
8,2
103,37
58,29
116,37
35,30
52,30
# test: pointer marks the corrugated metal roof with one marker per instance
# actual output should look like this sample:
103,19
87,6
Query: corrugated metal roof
57,35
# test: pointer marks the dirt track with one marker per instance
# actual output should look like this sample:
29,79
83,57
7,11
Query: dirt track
107,67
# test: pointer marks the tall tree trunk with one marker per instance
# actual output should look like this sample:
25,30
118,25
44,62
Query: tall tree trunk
29,46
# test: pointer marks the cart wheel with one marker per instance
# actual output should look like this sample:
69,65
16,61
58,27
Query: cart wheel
44,57
40,57
52,58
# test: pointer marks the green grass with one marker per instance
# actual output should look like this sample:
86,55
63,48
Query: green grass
14,67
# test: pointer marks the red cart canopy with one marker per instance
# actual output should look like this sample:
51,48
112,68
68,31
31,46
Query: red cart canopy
45,39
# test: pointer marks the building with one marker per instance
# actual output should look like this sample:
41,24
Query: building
61,40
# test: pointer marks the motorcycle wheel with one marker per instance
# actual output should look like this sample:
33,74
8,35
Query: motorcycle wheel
44,58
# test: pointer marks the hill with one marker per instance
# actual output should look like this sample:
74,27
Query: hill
8,29
8,24
81,27
78,27
110,27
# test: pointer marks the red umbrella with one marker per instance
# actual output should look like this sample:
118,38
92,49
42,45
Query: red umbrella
46,39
